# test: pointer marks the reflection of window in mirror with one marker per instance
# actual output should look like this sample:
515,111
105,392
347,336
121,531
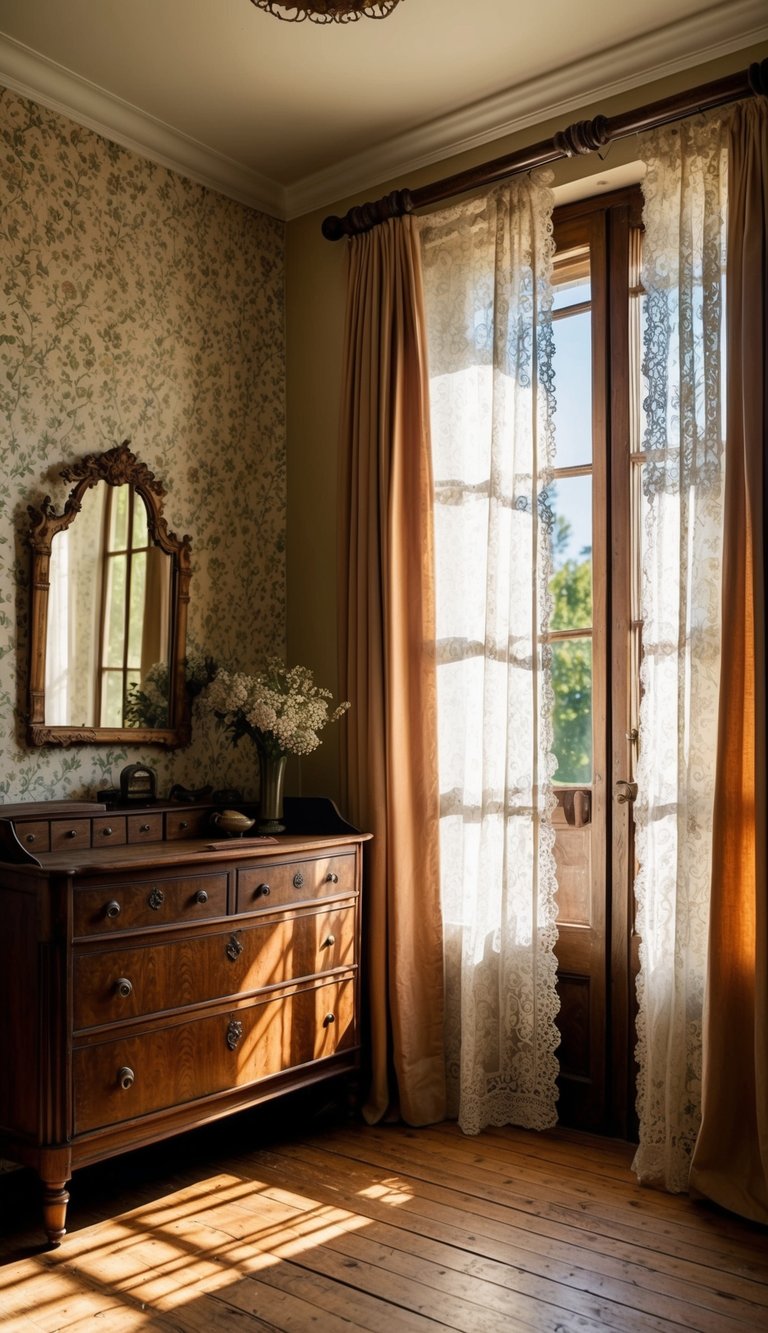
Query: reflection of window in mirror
109,613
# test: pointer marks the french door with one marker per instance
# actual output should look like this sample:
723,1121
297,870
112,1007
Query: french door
594,641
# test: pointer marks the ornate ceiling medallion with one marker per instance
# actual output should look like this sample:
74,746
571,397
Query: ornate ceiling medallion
327,11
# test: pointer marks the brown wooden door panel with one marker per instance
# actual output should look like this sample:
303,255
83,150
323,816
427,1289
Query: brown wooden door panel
135,1076
116,984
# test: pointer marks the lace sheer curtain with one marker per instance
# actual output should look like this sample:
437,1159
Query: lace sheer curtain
487,267
683,277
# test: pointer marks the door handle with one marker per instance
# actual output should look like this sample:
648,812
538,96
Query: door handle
625,791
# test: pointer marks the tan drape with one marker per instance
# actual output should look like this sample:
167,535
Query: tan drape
386,617
730,1161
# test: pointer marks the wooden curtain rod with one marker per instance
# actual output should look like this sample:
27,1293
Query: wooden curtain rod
585,136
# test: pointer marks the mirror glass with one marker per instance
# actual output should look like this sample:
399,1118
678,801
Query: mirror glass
108,635
108,616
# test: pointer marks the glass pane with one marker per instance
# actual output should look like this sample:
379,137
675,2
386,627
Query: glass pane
136,619
140,533
118,525
112,699
115,617
573,389
571,583
570,278
572,720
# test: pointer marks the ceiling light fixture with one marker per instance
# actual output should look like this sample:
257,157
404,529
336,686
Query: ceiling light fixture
327,11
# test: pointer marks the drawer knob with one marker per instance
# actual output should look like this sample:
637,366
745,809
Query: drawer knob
234,949
124,987
329,1020
144,828
125,1078
234,1033
71,833
298,880
156,899
331,878
328,941
262,891
31,837
201,896
183,823
112,910
106,833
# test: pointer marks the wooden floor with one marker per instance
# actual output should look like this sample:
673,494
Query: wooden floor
343,1226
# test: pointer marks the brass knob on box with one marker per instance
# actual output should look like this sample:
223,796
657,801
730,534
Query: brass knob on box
126,1078
262,891
201,896
328,941
112,909
124,987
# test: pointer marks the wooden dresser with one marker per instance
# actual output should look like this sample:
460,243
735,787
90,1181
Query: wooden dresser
154,976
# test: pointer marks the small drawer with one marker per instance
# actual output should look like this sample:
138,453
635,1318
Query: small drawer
109,832
35,837
152,902
186,823
145,828
281,884
70,835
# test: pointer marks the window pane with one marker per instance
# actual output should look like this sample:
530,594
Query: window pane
118,525
572,720
112,699
570,278
571,583
140,534
138,594
115,617
573,389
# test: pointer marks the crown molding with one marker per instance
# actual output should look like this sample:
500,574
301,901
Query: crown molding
716,31
43,80
707,35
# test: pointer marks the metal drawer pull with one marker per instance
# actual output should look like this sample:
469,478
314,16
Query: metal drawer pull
31,837
331,878
125,1078
328,1020
106,833
124,987
112,910
201,896
328,941
298,880
262,891
234,949
156,899
71,833
144,828
183,823
234,1033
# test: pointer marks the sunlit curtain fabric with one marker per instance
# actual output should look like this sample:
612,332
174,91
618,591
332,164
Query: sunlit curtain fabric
487,277
730,1162
386,617
683,277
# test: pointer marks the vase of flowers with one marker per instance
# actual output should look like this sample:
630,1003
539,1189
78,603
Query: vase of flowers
282,711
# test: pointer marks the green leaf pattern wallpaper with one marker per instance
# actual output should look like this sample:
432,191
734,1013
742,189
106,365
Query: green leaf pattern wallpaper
139,305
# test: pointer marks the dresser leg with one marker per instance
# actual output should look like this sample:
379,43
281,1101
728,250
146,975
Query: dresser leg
55,1200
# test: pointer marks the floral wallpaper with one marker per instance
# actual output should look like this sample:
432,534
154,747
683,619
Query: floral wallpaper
138,305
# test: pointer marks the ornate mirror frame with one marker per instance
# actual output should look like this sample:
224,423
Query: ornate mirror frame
117,467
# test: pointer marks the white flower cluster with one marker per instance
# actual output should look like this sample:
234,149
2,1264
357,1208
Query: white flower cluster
281,709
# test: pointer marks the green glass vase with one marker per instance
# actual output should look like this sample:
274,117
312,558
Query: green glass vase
271,785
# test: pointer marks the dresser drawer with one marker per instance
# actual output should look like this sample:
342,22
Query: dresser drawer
70,834
114,984
35,837
159,901
109,831
281,884
173,1066
186,823
145,828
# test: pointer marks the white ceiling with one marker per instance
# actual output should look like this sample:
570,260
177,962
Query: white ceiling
291,117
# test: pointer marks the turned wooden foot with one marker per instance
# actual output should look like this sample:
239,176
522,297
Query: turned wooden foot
55,1200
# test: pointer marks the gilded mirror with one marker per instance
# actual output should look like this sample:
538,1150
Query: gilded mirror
110,591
